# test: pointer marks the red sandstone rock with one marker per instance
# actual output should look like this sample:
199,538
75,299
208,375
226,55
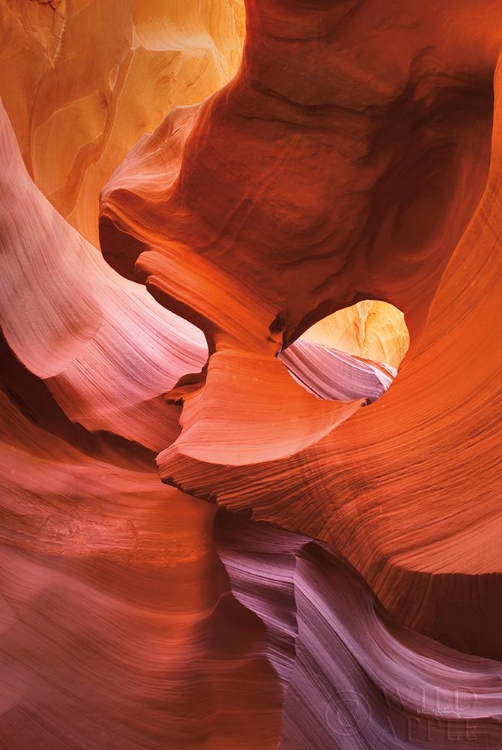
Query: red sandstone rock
355,156
352,174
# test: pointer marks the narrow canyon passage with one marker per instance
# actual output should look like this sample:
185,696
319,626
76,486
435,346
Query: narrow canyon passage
250,288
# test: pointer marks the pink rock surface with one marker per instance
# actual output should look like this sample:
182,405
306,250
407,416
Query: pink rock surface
334,375
351,169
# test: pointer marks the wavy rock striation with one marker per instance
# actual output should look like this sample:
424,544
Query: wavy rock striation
410,217
353,679
352,599
74,82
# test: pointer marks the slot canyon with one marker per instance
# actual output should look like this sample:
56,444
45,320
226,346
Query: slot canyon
251,346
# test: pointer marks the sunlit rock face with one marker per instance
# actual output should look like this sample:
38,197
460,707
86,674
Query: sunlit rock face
370,329
331,358
84,79
249,434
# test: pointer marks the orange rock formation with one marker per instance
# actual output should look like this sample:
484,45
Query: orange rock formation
313,344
